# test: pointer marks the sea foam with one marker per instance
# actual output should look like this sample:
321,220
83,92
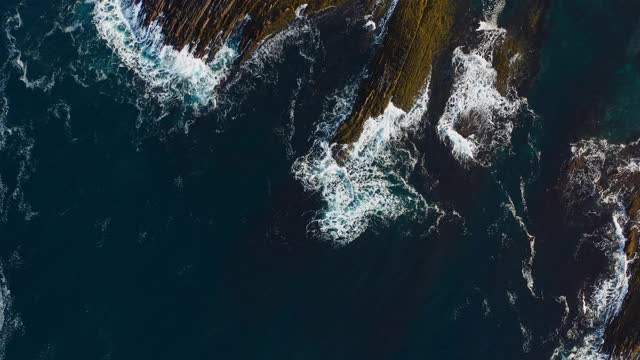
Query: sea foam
475,103
601,177
370,182
170,74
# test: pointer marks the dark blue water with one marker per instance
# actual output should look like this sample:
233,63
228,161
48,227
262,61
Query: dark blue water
135,228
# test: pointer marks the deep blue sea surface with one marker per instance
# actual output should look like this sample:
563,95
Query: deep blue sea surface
156,207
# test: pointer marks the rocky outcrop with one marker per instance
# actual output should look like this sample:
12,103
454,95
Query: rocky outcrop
208,24
421,32
604,179
622,337
418,32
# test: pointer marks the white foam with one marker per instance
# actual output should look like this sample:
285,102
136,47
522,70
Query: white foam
600,304
527,266
370,182
170,74
15,134
491,13
370,25
300,10
9,321
563,300
475,100
384,21
44,83
270,51
604,302
527,338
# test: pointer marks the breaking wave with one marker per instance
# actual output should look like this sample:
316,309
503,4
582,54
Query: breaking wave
475,122
369,181
169,73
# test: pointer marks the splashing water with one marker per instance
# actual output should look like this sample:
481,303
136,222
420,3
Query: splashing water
370,182
475,104
170,74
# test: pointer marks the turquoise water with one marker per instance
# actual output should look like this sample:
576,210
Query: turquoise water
145,216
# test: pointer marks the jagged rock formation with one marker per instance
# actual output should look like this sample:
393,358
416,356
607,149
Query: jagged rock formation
422,31
207,24
418,32
622,336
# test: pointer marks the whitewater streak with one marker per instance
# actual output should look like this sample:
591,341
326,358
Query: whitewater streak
169,73
370,179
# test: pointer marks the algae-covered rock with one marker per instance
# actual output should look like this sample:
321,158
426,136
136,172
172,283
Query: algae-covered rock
418,31
517,58
207,24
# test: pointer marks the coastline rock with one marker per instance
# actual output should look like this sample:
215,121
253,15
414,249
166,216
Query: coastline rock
622,336
605,178
418,33
208,24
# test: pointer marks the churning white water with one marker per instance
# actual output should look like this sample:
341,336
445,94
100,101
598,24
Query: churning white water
475,103
169,73
604,299
370,182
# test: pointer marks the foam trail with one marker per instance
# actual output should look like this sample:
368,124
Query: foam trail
475,103
371,180
170,74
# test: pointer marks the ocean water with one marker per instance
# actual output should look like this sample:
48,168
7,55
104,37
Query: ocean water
157,206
